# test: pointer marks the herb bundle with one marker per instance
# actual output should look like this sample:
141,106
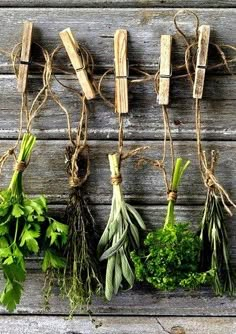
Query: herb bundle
80,279
214,237
120,236
214,254
25,229
81,276
170,255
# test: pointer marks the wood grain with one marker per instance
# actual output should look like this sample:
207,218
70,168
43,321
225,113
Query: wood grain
46,172
144,120
132,311
115,325
145,26
119,3
139,301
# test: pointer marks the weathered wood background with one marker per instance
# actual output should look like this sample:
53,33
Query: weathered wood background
94,22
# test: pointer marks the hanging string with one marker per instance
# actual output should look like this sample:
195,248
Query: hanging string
37,103
207,169
78,152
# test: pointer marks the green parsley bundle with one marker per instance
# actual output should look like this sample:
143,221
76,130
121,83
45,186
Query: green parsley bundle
169,258
25,229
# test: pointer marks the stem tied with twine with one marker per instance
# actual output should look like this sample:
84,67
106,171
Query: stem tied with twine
214,253
80,279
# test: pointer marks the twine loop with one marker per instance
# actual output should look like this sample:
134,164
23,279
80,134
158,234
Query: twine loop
172,196
116,179
20,166
78,165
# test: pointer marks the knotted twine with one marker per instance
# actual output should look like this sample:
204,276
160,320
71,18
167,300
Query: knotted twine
29,112
77,155
207,169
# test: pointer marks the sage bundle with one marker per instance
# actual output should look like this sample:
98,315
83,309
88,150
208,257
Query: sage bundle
120,236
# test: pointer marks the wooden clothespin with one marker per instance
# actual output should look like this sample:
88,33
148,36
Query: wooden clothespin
25,57
121,71
73,51
165,69
202,55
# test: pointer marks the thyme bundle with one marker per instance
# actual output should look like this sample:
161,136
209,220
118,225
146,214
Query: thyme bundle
120,236
81,276
80,279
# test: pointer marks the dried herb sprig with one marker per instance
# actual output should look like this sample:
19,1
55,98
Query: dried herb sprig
81,277
120,236
214,239
170,255
25,229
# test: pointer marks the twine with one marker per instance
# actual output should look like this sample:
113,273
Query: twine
172,196
30,112
79,145
20,166
116,180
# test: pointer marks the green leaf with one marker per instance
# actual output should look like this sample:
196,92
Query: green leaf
32,245
51,260
29,237
118,274
3,242
14,272
56,230
4,229
126,269
5,252
136,215
17,210
114,248
11,295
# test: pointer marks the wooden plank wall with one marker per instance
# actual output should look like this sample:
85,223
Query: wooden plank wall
142,309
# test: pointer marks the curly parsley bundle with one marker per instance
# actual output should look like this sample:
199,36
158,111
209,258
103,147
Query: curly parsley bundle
170,255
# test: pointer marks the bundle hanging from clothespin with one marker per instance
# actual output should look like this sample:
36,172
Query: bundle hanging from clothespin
201,64
165,69
214,253
121,71
25,57
74,53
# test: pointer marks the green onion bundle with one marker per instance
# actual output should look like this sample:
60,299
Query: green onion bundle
25,229
170,256
120,236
